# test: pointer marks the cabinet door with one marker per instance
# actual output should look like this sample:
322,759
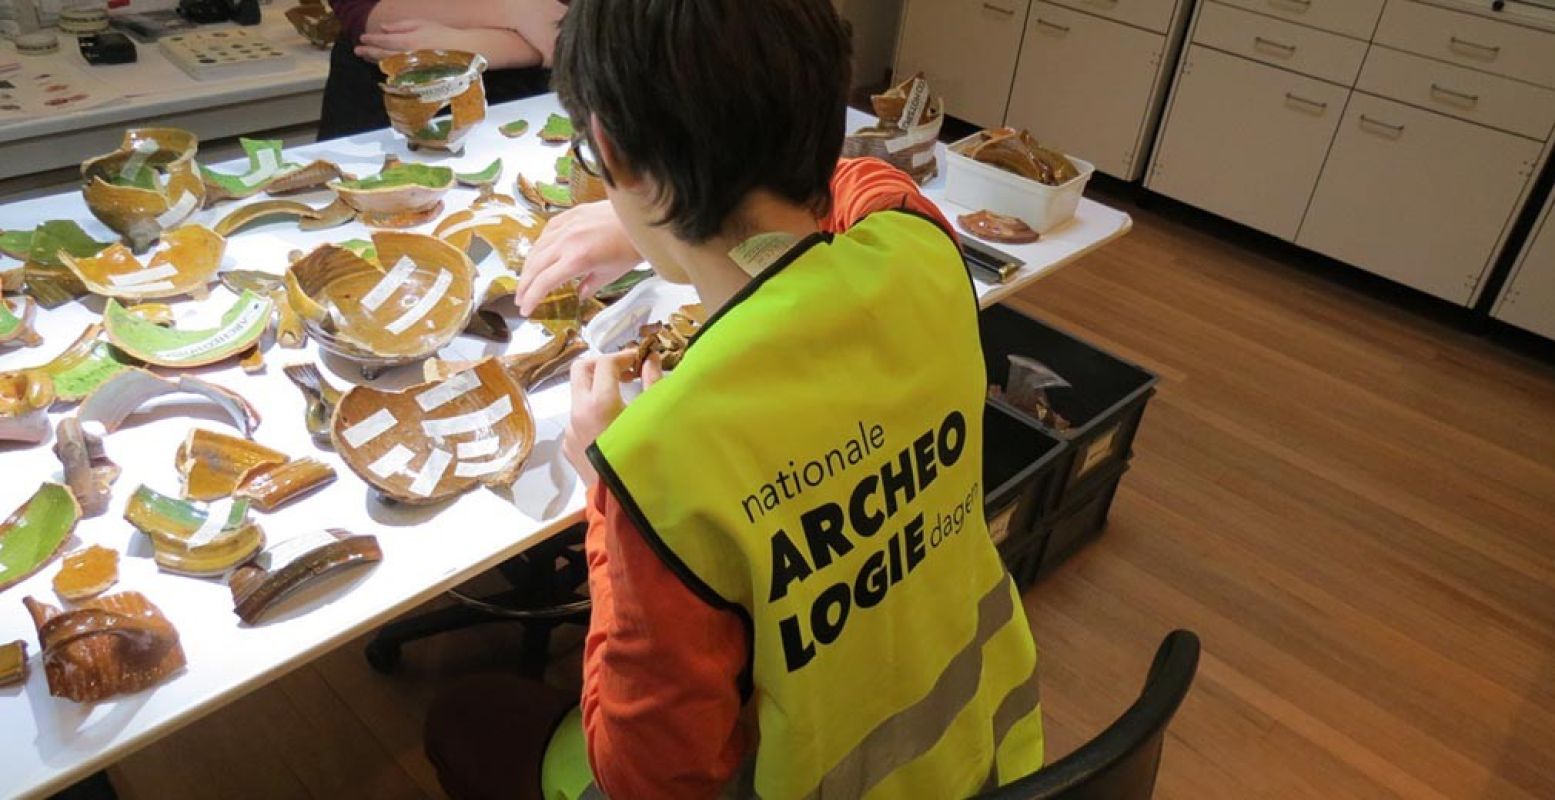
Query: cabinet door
967,49
1244,140
1083,86
1529,299
1417,197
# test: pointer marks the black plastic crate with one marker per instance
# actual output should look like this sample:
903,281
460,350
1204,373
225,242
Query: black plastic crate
1104,404
1021,465
1060,534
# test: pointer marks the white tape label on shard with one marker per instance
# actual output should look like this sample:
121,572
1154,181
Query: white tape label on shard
391,462
479,420
216,518
478,448
431,472
423,306
448,391
369,429
282,554
258,308
486,217
142,151
179,212
393,279
143,276
268,166
476,469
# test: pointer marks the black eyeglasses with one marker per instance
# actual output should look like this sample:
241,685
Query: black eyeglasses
583,154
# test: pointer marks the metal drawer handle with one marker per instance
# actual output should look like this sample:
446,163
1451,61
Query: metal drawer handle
1471,99
1304,101
1397,129
1055,26
1102,2
1305,4
1289,49
1008,12
1493,50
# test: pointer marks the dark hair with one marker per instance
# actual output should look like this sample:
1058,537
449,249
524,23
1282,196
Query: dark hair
712,98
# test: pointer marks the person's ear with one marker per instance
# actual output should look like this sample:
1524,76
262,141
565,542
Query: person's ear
620,173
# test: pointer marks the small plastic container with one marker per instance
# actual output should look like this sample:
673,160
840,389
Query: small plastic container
978,186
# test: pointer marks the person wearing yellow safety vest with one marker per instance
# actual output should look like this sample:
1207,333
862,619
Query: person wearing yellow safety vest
810,473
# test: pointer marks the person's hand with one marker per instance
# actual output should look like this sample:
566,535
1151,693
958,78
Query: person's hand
596,402
410,34
585,242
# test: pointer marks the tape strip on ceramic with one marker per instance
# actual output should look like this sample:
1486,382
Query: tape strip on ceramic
144,276
448,391
478,420
476,469
269,165
140,153
283,553
216,518
489,217
179,212
369,429
393,279
478,448
391,462
431,472
423,306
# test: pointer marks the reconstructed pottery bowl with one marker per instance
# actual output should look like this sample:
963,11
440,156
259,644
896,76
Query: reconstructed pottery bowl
412,298
420,83
401,196
150,184
186,264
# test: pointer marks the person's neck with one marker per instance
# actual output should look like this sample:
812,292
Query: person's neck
716,275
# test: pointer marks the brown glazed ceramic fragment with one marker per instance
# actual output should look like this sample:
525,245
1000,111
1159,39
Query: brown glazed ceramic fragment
288,566
88,472
527,369
246,215
193,539
439,439
270,486
118,644
320,397
212,465
186,264
16,318
13,663
315,22
1018,152
508,230
149,185
25,397
87,573
415,298
992,227
420,83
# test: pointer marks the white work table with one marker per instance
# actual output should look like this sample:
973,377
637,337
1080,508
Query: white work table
48,743
154,92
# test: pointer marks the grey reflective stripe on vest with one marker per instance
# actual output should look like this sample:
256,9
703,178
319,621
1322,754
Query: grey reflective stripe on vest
1021,700
911,732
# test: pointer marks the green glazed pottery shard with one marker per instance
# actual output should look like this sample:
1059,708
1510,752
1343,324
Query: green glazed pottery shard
563,169
194,538
557,130
241,326
61,234
16,315
84,366
16,244
403,174
142,177
483,177
361,247
264,164
437,130
559,196
36,532
514,129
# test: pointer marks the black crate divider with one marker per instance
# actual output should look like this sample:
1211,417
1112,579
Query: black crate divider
1020,467
1104,405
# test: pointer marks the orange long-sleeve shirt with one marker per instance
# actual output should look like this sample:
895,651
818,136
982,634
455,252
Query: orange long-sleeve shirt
661,699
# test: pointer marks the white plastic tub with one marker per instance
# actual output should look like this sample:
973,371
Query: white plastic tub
978,186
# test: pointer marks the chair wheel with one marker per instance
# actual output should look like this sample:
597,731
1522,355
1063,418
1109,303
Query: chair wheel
383,657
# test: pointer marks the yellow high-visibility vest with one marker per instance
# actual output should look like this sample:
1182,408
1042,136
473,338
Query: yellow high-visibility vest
814,464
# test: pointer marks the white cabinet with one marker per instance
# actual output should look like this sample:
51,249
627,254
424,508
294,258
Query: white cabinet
967,49
1417,197
1084,86
1245,141
1528,301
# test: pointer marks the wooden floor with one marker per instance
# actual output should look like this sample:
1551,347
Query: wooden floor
1353,506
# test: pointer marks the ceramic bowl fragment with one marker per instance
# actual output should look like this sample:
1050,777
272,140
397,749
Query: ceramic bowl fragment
149,185
88,472
36,532
270,486
558,130
316,22
486,176
13,663
25,397
195,539
413,299
439,439
508,230
120,396
526,369
16,318
321,399
544,198
268,171
289,332
420,83
288,566
45,276
514,129
241,326
186,263
106,646
400,196
83,366
212,464
244,216
87,573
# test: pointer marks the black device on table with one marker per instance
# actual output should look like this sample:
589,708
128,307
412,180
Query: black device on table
243,12
107,48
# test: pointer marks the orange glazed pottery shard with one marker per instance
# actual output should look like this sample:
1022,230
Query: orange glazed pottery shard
149,185
87,573
185,264
112,645
13,663
212,464
420,83
439,439
288,566
270,486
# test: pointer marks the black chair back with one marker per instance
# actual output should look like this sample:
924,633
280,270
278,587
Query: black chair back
1121,763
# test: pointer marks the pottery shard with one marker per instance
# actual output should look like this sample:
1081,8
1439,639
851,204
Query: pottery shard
118,644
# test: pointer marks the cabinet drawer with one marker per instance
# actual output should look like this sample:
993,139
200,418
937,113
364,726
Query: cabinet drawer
1417,197
1152,15
967,50
1245,141
1529,299
1084,86
1282,44
1475,42
1353,18
1459,92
